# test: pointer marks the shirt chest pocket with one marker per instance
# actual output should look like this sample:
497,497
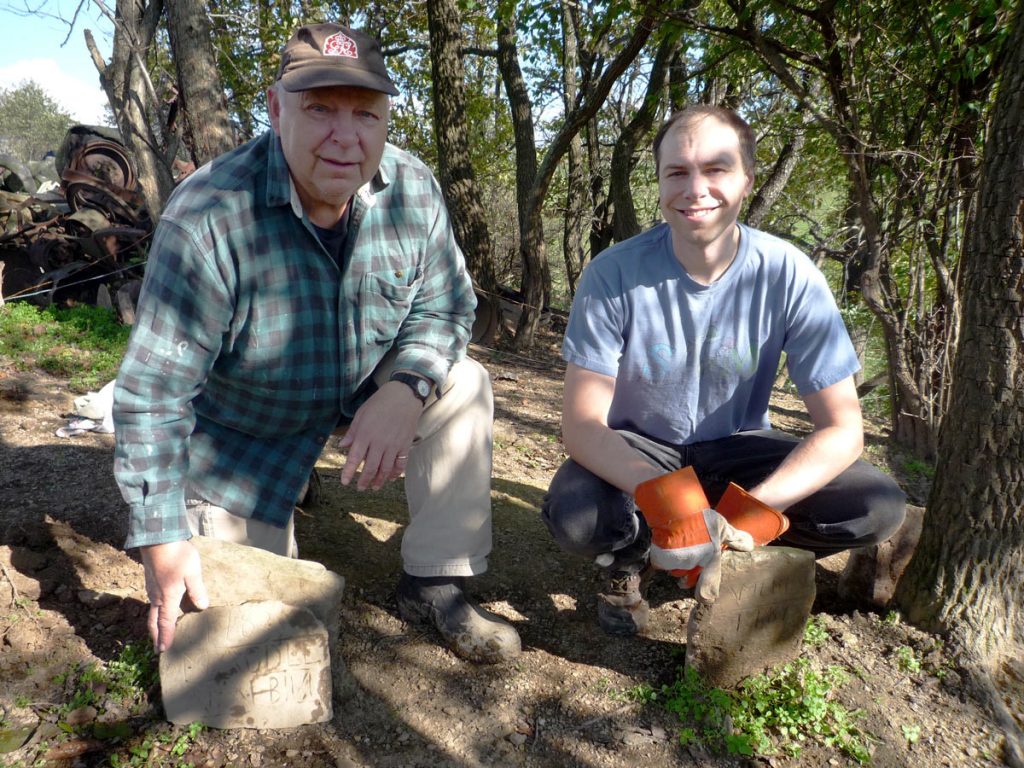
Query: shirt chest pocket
385,300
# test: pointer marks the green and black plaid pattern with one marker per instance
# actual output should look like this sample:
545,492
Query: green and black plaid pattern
251,345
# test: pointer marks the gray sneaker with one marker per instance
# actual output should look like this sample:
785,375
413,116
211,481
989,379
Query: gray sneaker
470,631
621,607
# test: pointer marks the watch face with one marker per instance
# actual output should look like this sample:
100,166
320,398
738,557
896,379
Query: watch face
419,385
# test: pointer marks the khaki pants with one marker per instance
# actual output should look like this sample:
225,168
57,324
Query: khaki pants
205,519
447,484
448,476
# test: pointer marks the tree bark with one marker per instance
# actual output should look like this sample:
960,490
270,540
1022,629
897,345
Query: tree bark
133,100
967,574
201,100
769,192
576,196
455,166
521,108
532,239
624,156
601,216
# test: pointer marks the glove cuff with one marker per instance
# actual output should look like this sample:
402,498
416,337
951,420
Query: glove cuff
750,514
667,500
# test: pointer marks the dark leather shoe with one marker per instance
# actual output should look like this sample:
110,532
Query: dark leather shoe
470,631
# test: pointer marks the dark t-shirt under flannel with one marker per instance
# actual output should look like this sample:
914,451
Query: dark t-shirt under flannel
251,345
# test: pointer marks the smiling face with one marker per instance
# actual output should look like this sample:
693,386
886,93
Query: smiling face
702,183
333,140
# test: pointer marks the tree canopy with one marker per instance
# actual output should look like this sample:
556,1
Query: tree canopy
31,123
870,119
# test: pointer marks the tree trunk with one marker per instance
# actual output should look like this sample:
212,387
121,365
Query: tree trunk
601,216
769,192
967,574
455,166
133,100
532,238
531,254
201,99
624,156
576,197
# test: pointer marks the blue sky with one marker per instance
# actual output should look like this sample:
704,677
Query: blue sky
30,49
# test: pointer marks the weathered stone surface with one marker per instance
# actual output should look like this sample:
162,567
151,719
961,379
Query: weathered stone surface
871,574
257,665
236,574
759,618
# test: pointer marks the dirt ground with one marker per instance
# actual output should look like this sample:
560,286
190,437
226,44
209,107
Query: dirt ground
69,595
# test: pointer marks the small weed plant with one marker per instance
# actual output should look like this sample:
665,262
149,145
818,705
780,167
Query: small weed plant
767,714
83,344
125,679
928,660
912,733
159,749
908,660
815,634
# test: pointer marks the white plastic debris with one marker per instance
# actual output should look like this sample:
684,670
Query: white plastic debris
94,412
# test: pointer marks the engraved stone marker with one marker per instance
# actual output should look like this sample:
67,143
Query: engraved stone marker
235,573
256,665
759,618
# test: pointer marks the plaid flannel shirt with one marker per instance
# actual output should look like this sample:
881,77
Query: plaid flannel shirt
251,345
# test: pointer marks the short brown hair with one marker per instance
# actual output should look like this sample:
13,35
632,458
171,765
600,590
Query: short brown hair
687,116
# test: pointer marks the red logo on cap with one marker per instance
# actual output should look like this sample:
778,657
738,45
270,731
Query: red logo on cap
340,44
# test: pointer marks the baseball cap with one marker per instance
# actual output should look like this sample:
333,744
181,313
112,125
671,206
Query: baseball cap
322,55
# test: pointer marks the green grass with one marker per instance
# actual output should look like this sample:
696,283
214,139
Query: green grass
918,468
126,682
82,344
125,679
815,634
770,714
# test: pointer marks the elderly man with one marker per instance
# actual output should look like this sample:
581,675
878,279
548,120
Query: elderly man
305,283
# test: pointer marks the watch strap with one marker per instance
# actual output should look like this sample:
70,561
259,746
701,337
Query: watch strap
419,385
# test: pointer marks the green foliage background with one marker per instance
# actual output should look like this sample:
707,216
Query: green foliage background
31,123
83,344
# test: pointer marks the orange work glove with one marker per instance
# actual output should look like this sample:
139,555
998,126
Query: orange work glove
687,536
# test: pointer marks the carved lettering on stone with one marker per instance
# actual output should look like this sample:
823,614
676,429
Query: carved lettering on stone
759,617
256,665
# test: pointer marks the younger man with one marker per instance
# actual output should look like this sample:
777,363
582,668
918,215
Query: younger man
673,343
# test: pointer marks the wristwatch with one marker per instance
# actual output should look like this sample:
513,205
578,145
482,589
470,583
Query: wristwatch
419,386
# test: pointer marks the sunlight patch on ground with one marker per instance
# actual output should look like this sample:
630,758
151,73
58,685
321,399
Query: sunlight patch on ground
513,500
381,530
504,609
563,602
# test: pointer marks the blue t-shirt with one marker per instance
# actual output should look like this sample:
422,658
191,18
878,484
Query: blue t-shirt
697,362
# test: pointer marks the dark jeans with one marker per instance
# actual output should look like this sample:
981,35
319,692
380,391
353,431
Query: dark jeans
588,516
